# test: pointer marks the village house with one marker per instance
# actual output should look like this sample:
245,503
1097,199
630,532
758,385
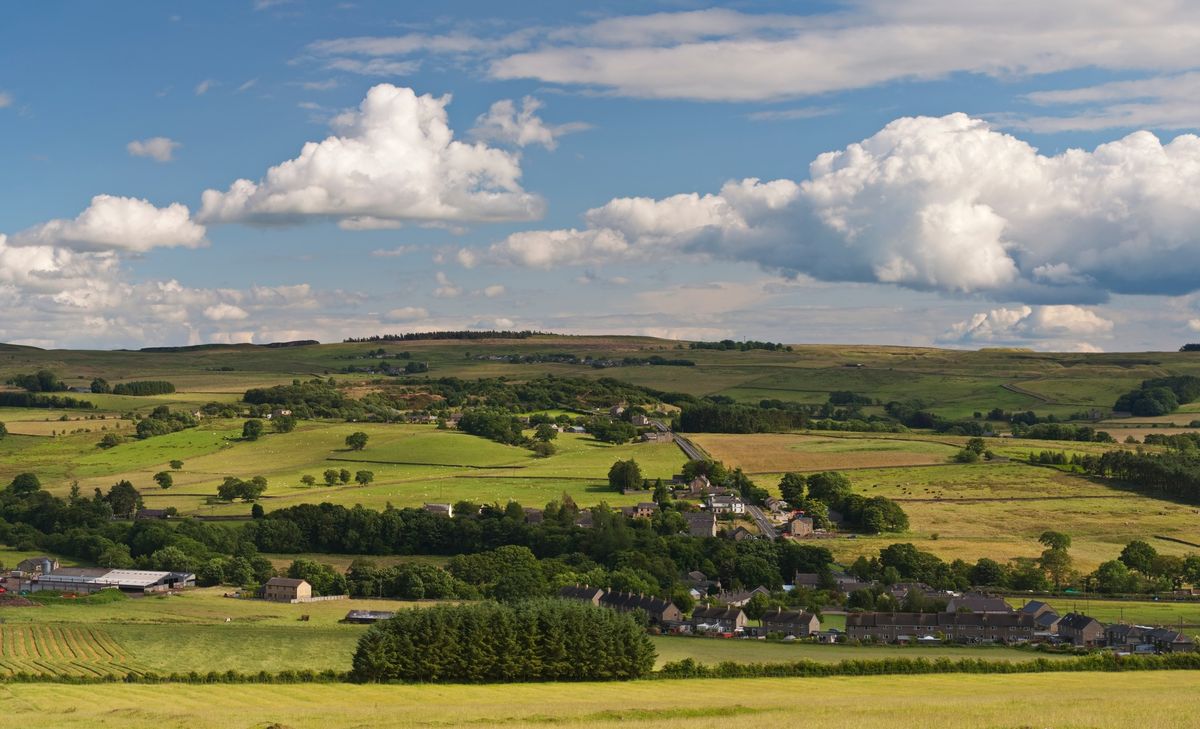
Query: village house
961,627
142,514
721,619
1044,616
741,597
582,593
440,509
725,504
848,583
791,622
701,523
643,510
800,527
1145,639
640,421
740,534
1080,630
286,589
660,611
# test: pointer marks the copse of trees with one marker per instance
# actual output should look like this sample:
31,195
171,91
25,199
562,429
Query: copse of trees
1173,475
40,381
729,345
162,420
1061,431
142,388
817,493
493,424
1160,396
233,488
541,640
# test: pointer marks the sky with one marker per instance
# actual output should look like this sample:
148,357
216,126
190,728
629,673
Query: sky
1018,174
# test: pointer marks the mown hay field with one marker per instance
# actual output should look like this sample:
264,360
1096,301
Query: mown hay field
67,650
773,453
1098,700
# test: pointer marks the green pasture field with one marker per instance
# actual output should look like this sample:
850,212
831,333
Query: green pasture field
412,464
998,510
1095,700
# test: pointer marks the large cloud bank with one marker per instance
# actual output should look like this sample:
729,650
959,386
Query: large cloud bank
942,204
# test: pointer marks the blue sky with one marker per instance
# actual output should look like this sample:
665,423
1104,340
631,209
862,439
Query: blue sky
870,172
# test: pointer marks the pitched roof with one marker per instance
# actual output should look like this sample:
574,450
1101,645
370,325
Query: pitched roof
788,616
285,582
935,620
631,601
717,612
979,604
1076,621
580,592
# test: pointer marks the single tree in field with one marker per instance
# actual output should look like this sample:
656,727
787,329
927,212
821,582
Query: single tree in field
257,511
283,424
625,475
545,433
344,475
1055,540
253,429
331,477
356,441
364,477
176,465
164,480
307,479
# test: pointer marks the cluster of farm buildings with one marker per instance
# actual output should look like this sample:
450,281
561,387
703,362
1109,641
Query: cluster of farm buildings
37,574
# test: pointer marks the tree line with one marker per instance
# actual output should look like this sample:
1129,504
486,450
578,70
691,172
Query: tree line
538,640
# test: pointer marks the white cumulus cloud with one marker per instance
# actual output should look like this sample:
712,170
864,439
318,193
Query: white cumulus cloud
1062,323
406,314
504,123
394,160
160,149
225,312
118,224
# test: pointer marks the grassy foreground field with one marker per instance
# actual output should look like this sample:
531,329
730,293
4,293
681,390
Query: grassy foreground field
973,702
